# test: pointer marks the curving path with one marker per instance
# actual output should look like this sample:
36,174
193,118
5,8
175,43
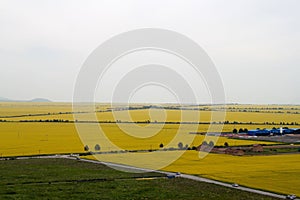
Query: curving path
136,169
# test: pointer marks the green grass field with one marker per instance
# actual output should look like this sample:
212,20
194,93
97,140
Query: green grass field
71,179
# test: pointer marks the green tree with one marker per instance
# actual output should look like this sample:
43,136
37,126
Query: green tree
97,147
86,148
180,145
204,143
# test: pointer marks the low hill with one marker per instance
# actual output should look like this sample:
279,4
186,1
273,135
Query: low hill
3,99
40,100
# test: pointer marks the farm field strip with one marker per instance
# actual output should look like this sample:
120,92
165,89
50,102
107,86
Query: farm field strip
168,115
52,111
277,173
44,138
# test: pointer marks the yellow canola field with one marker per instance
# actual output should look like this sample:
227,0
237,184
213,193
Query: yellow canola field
276,173
20,108
170,116
38,138
54,109
26,108
41,138
203,116
169,135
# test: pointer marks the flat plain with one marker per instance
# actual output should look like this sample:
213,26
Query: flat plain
52,128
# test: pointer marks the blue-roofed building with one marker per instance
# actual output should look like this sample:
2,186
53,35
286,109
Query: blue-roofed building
266,132
297,131
288,131
275,131
259,132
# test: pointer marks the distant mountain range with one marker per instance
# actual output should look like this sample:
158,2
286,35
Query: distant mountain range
2,99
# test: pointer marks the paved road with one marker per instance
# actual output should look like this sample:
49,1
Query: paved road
136,169
195,178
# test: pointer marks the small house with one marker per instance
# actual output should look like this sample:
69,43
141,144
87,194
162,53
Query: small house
257,148
235,152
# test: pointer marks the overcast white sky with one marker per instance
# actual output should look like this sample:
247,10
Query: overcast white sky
255,44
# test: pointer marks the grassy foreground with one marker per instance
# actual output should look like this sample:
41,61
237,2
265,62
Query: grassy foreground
275,173
70,179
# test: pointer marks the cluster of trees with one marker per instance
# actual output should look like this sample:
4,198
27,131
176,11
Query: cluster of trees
211,143
179,145
96,147
161,122
47,120
161,145
241,130
214,122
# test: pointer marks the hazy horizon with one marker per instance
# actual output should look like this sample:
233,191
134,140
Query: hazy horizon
255,45
41,100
